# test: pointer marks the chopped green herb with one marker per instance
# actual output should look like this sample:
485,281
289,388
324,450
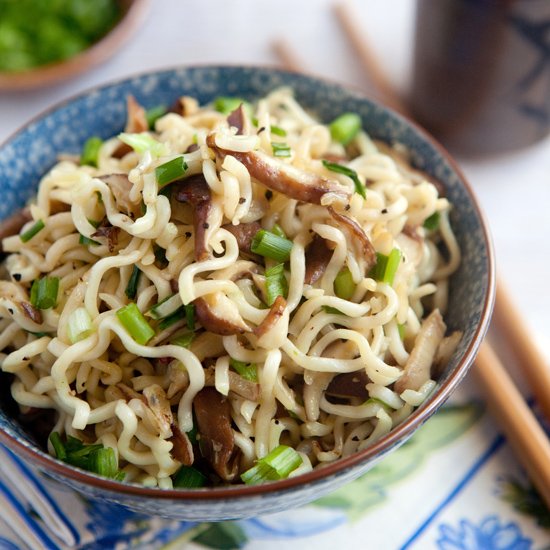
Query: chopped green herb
278,230
44,292
332,310
30,233
278,464
402,328
172,319
135,323
184,340
94,458
386,266
90,151
188,477
280,149
143,142
79,325
340,169
190,316
431,223
166,307
271,246
86,241
275,283
131,287
226,105
344,128
153,114
344,287
170,171
248,371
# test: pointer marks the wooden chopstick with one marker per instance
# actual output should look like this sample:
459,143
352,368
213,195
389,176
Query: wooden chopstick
524,433
516,419
289,59
533,365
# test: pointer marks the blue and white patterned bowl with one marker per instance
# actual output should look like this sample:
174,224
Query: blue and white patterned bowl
102,111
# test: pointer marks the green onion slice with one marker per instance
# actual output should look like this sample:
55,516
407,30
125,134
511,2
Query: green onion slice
249,371
86,241
103,462
344,287
402,328
190,316
178,315
278,230
278,464
344,128
44,292
143,142
133,281
341,169
275,283
58,447
165,307
271,246
280,149
188,477
79,325
226,105
135,323
432,222
386,266
170,171
90,151
154,113
184,340
30,233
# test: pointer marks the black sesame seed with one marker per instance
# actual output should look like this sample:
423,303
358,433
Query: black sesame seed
205,225
347,207
17,276
269,194
242,200
188,234
384,210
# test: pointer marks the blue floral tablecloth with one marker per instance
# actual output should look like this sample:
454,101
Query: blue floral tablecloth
454,486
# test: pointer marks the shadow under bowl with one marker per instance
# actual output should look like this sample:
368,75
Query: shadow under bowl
102,112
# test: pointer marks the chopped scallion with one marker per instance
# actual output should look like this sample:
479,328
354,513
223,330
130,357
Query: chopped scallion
190,316
143,142
332,310
248,371
95,457
90,151
226,105
344,128
86,241
165,307
153,114
280,149
432,222
275,283
278,131
386,266
133,281
340,169
30,233
44,292
58,447
278,230
135,323
170,171
271,246
402,328
278,464
184,340
188,477
172,319
79,325
344,287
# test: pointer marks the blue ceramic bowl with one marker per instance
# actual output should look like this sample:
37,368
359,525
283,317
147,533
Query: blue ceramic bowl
102,111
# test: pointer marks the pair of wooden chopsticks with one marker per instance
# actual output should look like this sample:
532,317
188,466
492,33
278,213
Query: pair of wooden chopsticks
526,436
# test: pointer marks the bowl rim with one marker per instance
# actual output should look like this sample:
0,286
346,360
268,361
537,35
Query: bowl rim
107,46
396,436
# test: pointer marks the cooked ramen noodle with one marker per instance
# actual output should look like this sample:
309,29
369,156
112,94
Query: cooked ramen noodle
232,292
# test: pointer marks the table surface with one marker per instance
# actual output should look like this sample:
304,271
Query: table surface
242,32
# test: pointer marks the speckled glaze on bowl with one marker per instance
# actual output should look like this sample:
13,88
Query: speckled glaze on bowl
32,151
